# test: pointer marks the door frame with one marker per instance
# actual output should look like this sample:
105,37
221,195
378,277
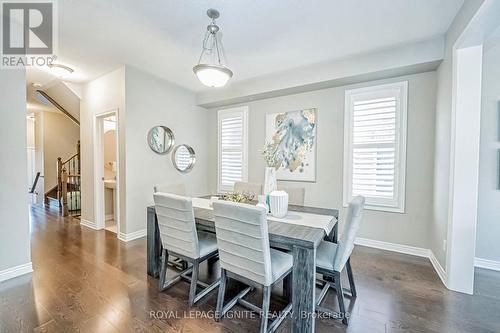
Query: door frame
99,169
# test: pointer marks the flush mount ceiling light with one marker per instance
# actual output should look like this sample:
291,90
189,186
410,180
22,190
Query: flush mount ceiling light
60,70
210,69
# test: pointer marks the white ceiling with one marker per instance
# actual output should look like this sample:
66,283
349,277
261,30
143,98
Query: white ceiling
260,36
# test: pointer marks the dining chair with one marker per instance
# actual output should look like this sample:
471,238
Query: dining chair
245,255
251,188
296,195
180,238
179,188
331,259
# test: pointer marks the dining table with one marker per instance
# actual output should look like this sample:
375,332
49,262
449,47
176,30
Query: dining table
299,233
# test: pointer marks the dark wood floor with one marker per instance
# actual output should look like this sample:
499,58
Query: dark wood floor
88,281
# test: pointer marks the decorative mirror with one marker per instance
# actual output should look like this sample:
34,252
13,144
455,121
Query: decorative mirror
161,139
183,158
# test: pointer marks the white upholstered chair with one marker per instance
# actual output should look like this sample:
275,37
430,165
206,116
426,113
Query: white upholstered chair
250,188
245,255
180,238
331,258
179,189
296,195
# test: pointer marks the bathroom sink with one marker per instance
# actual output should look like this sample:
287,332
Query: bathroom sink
110,183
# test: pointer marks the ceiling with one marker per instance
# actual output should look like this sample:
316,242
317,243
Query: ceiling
260,37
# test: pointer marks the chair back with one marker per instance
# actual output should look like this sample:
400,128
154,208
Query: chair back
346,242
179,189
250,188
296,195
243,240
177,225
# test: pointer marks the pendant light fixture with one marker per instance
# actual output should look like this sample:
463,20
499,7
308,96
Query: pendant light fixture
210,69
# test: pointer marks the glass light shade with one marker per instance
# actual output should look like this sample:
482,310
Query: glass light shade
212,75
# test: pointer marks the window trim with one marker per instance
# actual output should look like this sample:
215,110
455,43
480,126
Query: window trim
241,110
401,146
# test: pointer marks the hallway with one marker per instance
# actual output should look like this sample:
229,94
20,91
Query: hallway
89,281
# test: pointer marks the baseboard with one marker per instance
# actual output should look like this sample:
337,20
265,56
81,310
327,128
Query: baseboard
399,248
437,267
16,271
405,249
88,224
487,264
131,236
109,217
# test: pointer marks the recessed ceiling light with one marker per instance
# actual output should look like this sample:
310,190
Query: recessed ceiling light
60,70
36,85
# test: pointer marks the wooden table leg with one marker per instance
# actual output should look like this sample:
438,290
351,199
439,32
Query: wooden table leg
154,247
303,290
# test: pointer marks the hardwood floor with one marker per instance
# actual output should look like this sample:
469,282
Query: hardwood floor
88,281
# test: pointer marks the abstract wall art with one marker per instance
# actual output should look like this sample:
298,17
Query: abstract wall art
291,144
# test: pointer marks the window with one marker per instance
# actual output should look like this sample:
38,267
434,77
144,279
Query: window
233,148
375,146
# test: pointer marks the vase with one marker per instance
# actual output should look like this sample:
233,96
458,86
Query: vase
278,202
263,202
270,180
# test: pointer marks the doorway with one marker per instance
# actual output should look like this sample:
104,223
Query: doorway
107,172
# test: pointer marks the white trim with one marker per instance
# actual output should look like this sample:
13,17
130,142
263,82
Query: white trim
237,110
16,271
99,169
132,236
487,264
438,268
406,249
399,248
89,224
396,205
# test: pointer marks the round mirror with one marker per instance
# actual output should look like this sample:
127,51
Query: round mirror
160,139
183,158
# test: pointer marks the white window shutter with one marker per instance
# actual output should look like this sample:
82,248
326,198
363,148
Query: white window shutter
232,148
375,146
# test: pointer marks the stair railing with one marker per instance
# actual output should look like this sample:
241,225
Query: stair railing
69,178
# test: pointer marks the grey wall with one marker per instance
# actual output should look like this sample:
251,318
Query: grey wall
151,101
14,222
488,222
410,228
439,223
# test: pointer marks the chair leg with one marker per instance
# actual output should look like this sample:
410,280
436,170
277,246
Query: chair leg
287,287
163,270
351,278
340,296
194,282
220,296
266,299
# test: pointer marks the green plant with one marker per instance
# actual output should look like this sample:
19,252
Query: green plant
238,197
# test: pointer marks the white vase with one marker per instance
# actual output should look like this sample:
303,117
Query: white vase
263,202
278,201
270,180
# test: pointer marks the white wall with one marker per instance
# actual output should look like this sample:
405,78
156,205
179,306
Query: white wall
488,224
439,223
144,101
410,228
14,221
150,102
60,137
103,94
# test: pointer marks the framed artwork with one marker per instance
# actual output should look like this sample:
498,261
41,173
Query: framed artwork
291,137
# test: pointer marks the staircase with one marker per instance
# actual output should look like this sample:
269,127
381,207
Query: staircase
66,194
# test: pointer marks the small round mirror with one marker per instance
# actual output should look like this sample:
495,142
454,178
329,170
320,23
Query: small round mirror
160,139
183,158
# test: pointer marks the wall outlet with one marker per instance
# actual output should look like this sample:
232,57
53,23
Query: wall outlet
444,245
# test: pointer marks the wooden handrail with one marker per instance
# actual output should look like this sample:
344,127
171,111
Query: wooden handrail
58,106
